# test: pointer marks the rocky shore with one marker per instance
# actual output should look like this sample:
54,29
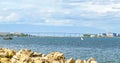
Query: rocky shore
28,56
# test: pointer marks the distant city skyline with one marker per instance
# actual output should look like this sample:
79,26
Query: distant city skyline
58,34
72,16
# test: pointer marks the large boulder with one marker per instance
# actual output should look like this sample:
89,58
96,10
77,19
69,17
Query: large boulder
4,52
23,56
6,55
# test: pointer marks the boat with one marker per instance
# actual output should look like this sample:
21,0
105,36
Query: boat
7,38
81,38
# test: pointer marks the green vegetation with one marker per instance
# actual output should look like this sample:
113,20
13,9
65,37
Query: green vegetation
14,34
86,35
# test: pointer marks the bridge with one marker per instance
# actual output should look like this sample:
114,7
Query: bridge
55,34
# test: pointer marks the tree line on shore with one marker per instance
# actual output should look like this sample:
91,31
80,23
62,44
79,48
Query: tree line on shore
14,35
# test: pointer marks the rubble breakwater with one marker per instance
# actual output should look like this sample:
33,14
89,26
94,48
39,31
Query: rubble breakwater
28,56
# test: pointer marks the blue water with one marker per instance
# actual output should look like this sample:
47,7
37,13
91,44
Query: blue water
105,50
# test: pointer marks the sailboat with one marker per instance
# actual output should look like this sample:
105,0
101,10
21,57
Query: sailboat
81,38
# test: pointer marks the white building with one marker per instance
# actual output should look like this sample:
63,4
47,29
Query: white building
93,35
109,34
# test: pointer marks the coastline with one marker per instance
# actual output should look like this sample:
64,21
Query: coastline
28,56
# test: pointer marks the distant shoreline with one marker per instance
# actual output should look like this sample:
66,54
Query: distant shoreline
61,37
53,34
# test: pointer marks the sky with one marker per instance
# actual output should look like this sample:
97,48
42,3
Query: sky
75,16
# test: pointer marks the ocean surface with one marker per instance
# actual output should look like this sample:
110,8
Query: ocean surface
105,50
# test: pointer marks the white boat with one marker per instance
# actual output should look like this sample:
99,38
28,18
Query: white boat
81,38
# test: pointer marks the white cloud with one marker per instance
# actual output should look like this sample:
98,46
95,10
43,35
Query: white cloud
106,26
5,9
98,7
12,17
59,22
60,13
1,18
50,22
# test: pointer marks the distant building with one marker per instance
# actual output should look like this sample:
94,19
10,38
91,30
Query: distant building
104,34
17,33
109,34
115,34
101,35
93,35
118,35
3,33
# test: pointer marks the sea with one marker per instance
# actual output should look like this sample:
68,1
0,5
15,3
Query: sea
104,50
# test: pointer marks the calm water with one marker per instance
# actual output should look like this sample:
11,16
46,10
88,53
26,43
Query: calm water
105,50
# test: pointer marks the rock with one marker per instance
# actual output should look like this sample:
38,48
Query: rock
35,54
4,52
40,60
78,61
62,61
58,56
94,62
54,61
55,56
11,53
25,52
84,61
5,60
6,55
21,60
22,56
26,60
43,55
90,59
71,60
28,56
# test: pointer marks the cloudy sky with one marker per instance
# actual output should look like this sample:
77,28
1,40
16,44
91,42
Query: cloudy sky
84,16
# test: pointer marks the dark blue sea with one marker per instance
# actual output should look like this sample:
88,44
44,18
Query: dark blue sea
105,50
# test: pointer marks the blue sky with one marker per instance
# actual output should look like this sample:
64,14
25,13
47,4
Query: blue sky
82,16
